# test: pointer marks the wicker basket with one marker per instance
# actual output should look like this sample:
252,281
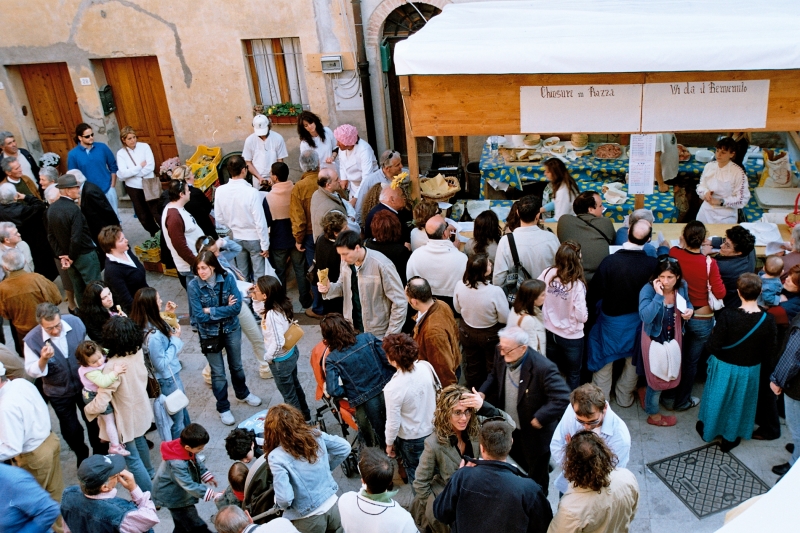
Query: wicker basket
453,188
153,255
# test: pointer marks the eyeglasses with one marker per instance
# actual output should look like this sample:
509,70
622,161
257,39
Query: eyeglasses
462,414
87,136
52,328
508,352
591,423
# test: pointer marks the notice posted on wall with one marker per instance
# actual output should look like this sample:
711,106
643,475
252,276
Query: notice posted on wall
642,164
580,108
705,106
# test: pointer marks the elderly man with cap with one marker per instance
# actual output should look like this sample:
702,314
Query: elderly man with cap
9,148
262,148
356,159
390,166
93,506
26,435
70,239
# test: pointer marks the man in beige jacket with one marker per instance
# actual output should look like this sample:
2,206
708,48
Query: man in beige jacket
374,300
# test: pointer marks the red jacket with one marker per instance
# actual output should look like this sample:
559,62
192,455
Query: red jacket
693,267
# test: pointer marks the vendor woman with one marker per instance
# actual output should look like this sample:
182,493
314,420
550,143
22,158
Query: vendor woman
723,187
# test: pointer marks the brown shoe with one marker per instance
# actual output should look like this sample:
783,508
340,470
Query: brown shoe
310,313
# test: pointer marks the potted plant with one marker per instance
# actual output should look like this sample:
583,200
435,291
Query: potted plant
284,113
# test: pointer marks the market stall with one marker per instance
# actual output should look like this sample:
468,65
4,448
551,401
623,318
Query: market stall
490,68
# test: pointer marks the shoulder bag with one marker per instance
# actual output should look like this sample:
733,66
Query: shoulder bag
713,302
213,344
150,186
516,274
292,335
740,341
153,388
176,400
598,230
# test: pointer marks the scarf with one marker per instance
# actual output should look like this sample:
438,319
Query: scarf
278,200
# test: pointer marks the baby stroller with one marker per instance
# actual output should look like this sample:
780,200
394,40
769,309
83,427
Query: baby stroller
343,412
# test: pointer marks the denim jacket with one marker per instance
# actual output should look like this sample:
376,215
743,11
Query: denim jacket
224,319
180,483
651,308
300,486
164,354
362,367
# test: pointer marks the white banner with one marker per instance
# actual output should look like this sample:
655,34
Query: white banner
580,108
705,105
641,172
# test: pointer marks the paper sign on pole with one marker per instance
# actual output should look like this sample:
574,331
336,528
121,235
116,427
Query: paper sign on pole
580,108
705,105
642,164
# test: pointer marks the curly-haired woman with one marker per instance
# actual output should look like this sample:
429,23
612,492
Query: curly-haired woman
422,212
736,256
600,497
301,459
410,401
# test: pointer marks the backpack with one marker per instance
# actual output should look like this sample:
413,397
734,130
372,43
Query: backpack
259,494
516,273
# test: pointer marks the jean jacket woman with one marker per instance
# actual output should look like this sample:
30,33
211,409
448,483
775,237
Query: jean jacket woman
362,367
651,308
220,319
163,353
300,486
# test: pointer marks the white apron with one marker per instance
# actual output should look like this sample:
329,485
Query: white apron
721,182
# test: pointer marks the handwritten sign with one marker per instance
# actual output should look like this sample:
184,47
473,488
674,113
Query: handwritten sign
705,105
580,108
642,164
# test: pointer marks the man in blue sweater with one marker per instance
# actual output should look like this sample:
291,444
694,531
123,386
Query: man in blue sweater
25,507
96,161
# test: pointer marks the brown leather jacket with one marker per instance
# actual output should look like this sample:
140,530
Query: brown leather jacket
300,205
437,337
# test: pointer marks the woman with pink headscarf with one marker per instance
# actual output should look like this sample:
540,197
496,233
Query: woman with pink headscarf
356,158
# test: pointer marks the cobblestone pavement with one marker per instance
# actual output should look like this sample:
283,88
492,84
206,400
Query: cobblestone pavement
659,510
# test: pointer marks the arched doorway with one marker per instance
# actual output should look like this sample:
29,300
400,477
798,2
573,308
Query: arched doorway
406,20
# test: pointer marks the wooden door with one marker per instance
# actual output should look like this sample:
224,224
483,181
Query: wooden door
54,106
142,103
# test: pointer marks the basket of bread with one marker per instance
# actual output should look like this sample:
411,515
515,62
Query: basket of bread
440,188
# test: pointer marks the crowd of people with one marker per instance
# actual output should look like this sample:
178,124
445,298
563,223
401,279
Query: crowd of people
460,370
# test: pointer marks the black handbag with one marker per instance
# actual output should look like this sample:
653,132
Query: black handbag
213,344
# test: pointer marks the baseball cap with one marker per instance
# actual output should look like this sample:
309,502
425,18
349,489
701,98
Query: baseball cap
261,124
95,470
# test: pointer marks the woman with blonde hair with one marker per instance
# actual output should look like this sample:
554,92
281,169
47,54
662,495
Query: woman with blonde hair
136,170
301,459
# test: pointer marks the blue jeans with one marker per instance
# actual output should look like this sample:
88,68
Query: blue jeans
310,246
410,451
694,340
793,424
219,384
138,463
371,420
299,266
651,398
285,374
249,260
568,355
180,419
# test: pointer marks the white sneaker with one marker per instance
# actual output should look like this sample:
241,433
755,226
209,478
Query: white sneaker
252,399
265,372
227,418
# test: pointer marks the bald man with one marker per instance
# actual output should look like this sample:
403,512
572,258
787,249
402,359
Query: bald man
394,201
617,283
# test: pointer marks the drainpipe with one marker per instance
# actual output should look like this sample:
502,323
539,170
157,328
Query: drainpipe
363,74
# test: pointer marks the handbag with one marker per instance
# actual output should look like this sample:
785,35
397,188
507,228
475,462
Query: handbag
713,302
213,344
292,335
176,400
153,388
150,186
665,360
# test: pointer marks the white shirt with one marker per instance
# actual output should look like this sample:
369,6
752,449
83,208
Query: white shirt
369,181
667,144
362,515
356,164
482,306
418,238
410,403
130,168
24,418
324,148
262,153
613,430
440,263
238,206
276,525
32,358
728,183
536,248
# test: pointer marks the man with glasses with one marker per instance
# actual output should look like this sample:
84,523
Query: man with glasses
96,161
50,354
590,411
527,386
390,166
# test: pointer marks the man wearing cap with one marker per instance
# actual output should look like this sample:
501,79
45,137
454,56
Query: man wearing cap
70,239
356,159
93,507
262,148
26,435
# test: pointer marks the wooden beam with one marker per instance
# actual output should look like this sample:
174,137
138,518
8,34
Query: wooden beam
638,201
413,157
405,85
795,137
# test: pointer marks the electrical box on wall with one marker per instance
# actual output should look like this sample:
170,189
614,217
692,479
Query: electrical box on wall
107,99
331,64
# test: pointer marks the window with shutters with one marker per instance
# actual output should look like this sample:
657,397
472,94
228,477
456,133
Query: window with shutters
276,71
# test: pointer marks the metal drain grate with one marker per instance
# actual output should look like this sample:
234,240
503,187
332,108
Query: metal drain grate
708,480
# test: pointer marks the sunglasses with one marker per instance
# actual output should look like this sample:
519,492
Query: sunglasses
87,136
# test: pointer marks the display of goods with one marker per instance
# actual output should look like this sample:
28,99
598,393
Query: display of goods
608,151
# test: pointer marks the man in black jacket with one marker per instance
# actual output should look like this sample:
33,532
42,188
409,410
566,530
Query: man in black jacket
527,386
493,495
94,205
69,237
9,148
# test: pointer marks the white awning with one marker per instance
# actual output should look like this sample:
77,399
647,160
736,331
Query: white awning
592,36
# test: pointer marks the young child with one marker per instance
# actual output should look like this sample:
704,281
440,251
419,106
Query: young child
771,285
527,313
92,360
241,445
181,478
234,494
